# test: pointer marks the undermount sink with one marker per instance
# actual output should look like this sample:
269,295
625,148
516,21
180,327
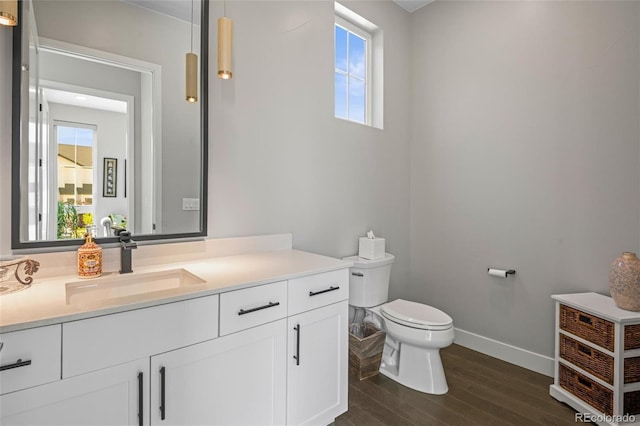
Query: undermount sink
115,286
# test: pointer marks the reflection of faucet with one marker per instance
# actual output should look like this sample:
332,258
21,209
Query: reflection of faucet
126,245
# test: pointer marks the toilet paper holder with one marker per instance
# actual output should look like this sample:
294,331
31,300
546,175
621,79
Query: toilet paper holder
501,272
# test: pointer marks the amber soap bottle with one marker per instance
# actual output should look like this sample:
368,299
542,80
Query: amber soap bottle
89,258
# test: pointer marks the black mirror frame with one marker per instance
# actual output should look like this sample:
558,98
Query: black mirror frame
16,243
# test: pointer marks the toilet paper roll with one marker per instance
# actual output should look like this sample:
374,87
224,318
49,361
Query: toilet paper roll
498,273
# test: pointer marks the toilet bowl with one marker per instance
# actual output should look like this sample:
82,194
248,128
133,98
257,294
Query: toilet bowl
415,335
415,332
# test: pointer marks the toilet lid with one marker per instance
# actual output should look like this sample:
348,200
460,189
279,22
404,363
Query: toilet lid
416,315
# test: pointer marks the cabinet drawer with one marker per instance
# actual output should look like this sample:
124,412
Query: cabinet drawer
632,370
249,307
589,359
318,290
632,403
631,337
588,326
29,358
586,389
108,340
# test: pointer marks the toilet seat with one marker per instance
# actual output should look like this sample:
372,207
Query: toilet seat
416,315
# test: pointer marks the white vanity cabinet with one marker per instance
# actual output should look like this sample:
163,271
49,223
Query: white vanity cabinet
317,382
112,396
104,341
268,354
239,379
29,358
105,365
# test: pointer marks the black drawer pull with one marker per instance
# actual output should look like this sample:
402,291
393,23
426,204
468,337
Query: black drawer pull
259,308
140,401
315,293
163,406
584,382
357,274
585,350
18,363
297,355
585,319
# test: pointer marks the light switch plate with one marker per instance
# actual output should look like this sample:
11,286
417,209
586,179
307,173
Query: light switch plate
191,204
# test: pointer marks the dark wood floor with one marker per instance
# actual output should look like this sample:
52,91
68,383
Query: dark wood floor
482,391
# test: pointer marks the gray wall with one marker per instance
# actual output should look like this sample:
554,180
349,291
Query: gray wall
524,155
280,161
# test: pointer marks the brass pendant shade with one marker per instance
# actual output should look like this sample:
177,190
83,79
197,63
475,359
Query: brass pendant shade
9,13
225,43
192,77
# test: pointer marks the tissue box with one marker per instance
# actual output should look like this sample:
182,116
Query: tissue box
371,248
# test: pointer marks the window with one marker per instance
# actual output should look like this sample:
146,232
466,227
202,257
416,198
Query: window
352,47
358,68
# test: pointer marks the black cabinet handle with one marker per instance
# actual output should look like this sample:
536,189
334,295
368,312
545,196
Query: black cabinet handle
18,363
315,293
259,308
297,355
162,404
140,401
357,274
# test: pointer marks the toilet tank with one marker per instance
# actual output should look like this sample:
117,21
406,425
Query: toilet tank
369,280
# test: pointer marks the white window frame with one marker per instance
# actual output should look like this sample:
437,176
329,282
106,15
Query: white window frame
366,35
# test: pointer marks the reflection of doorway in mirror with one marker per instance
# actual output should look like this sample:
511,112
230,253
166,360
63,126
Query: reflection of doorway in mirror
118,84
111,114
79,115
76,146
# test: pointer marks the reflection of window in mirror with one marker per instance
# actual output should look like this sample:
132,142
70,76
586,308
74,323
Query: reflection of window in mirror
76,148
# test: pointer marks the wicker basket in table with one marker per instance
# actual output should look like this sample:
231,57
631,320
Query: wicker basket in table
586,389
587,326
589,359
631,337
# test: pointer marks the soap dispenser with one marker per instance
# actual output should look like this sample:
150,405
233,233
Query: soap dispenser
89,257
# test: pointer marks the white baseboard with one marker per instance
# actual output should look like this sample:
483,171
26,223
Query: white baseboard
512,354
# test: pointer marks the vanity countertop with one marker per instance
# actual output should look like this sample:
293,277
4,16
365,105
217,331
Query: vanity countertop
45,302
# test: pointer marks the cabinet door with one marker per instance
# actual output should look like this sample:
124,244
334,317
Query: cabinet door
239,379
317,365
113,396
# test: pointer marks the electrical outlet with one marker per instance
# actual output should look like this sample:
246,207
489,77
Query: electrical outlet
191,204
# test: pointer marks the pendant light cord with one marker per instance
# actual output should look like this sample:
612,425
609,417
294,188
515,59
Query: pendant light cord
225,8
191,26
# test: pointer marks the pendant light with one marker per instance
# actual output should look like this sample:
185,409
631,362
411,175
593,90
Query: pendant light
9,13
225,43
192,69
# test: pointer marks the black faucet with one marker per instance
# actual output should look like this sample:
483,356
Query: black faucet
126,245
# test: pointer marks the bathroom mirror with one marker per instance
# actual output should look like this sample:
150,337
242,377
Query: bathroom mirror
103,138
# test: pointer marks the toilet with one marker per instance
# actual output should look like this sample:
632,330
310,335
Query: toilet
415,332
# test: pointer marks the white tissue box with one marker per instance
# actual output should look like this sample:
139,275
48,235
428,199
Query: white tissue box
371,248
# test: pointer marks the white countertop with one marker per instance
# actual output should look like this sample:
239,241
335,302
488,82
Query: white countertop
599,304
45,302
